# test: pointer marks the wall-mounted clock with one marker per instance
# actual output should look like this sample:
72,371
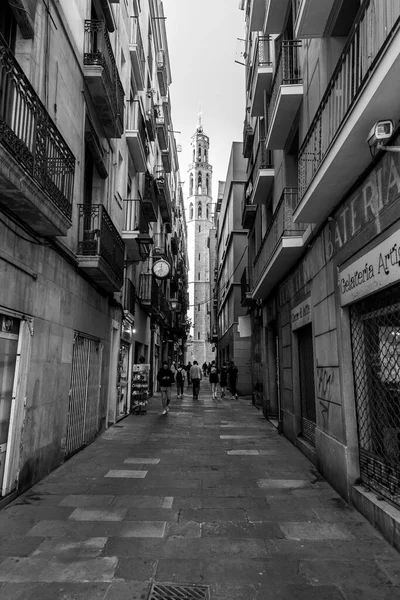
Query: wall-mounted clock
161,269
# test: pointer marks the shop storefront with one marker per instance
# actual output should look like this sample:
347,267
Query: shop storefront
370,286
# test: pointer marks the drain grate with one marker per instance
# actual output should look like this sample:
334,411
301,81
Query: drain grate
165,591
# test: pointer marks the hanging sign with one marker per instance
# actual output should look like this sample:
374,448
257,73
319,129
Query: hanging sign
375,270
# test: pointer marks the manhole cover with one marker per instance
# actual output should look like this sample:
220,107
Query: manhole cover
165,591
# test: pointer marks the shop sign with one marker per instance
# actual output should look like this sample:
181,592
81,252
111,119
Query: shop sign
380,188
375,270
301,314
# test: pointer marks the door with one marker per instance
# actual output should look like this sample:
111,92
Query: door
307,388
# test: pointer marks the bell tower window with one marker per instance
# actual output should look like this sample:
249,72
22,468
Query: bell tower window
191,211
199,211
191,184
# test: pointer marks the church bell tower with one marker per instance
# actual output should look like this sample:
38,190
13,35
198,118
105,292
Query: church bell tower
199,216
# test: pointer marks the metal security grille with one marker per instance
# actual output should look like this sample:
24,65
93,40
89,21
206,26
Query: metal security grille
161,591
375,330
307,390
84,394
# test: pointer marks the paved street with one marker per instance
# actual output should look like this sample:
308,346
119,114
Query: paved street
210,496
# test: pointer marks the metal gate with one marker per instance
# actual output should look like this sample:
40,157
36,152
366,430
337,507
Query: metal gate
375,332
84,394
307,388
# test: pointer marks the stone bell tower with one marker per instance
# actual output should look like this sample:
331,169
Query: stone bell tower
199,218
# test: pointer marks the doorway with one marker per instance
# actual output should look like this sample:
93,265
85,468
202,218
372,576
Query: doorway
307,388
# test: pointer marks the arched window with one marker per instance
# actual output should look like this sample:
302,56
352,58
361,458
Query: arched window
205,155
207,184
199,210
191,184
191,211
199,153
199,184
194,154
207,212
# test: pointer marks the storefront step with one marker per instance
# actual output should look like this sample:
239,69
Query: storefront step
382,515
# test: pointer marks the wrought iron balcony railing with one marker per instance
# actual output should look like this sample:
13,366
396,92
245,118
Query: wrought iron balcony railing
98,237
135,216
282,225
371,33
135,42
31,137
98,52
245,286
264,160
287,71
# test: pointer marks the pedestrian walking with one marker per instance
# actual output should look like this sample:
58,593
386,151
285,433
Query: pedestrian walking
233,377
180,378
196,375
223,381
165,378
188,367
205,368
213,379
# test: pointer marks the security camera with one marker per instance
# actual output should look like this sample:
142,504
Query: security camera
381,131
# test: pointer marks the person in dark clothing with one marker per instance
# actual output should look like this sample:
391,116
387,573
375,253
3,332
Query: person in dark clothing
196,376
205,368
233,377
188,367
223,378
165,378
213,379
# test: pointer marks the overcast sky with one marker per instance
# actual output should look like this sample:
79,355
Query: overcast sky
203,47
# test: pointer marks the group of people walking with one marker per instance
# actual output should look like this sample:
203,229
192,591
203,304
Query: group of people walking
226,377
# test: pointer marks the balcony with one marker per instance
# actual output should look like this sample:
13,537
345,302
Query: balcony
166,160
162,72
262,175
286,97
100,247
36,165
275,15
248,139
136,136
311,17
151,118
160,245
262,74
161,128
245,287
256,14
147,290
281,247
136,51
136,230
163,196
174,244
102,79
96,150
364,88
249,212
149,201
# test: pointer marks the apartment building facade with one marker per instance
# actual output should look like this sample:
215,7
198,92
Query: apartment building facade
234,341
322,208
89,202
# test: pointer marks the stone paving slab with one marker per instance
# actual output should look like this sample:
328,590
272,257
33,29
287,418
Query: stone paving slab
192,502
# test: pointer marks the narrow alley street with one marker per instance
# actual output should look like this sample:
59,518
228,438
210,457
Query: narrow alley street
206,502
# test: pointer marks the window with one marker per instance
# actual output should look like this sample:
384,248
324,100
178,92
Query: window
198,307
191,211
198,276
198,335
191,185
199,228
199,256
207,212
207,184
199,184
199,210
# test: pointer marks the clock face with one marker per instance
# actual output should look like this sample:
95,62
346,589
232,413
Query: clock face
161,269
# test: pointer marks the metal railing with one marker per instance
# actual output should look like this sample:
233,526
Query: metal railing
160,244
367,41
31,137
264,160
135,39
98,51
135,217
130,296
135,122
263,51
287,71
98,236
245,283
282,225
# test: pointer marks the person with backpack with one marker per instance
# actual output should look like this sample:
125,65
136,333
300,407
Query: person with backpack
180,377
223,382
213,379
